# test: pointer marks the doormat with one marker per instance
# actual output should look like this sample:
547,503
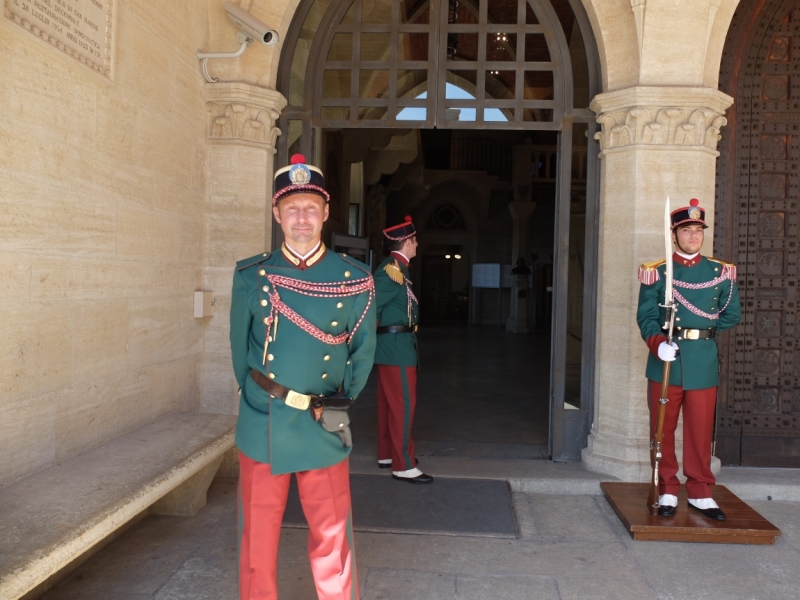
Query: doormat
459,507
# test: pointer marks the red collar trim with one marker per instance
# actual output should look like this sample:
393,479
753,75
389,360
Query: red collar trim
686,262
402,259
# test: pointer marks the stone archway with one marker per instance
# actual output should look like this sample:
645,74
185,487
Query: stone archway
643,72
364,64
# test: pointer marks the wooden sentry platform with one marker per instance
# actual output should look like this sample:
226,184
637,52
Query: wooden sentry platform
743,525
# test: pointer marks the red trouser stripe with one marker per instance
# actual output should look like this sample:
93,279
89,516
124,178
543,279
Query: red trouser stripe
325,497
698,425
397,400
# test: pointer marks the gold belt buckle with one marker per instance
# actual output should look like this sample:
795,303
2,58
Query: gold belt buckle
691,334
414,328
298,401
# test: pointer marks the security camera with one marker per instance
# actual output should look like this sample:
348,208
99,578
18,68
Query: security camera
250,26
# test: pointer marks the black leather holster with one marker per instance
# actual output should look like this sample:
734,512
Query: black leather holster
334,414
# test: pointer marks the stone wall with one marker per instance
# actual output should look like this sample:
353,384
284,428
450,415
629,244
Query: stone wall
119,198
102,220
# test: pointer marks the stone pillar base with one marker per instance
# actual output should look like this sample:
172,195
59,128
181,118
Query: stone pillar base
626,460
517,326
517,321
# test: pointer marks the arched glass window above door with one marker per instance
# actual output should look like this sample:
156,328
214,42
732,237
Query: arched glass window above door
431,63
452,92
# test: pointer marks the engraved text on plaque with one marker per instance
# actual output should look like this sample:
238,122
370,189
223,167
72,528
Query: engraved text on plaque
79,28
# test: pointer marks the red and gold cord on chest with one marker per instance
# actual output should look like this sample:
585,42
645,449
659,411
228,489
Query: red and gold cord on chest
327,290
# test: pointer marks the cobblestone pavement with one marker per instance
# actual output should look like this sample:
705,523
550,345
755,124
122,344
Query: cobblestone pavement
569,547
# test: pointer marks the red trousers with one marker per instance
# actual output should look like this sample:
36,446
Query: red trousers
325,496
698,424
397,399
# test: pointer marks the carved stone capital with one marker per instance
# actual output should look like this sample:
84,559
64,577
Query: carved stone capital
244,114
687,118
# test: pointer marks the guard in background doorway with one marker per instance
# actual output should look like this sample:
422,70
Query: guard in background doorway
396,355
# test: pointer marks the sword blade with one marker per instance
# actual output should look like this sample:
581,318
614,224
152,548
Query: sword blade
668,249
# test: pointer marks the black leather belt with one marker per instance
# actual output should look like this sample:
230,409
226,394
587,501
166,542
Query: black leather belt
695,334
397,329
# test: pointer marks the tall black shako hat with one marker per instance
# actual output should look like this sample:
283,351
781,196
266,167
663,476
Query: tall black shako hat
299,178
687,215
401,232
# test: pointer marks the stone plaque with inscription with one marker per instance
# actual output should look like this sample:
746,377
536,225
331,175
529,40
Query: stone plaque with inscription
81,29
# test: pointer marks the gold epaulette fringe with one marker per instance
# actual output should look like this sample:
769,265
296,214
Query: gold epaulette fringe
394,272
728,269
648,272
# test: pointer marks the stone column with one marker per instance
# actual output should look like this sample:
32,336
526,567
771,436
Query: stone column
517,321
239,166
521,212
655,142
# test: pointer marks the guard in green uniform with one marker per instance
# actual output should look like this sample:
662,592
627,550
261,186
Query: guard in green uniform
396,355
302,343
708,302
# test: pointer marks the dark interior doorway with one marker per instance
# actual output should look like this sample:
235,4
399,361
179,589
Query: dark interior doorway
482,392
461,76
437,277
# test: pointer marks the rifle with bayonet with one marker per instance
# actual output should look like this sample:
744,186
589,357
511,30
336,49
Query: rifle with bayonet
669,326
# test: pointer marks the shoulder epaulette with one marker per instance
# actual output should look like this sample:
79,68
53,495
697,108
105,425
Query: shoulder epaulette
394,272
728,269
648,272
253,260
354,262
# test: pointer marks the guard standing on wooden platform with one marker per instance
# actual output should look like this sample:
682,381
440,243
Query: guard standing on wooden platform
302,342
396,355
707,299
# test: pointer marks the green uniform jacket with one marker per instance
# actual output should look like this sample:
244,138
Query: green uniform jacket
267,430
697,365
392,301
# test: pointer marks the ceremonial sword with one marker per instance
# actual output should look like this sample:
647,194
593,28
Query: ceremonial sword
669,324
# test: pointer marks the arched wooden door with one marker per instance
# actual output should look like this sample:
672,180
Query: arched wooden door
758,191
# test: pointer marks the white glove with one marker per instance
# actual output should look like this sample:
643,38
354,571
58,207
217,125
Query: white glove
666,352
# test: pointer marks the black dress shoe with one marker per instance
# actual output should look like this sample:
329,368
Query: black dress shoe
384,465
418,479
711,513
667,511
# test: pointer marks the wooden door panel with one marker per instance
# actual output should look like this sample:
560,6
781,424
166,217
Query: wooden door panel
757,217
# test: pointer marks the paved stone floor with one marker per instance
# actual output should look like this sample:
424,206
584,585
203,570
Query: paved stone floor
569,547
570,543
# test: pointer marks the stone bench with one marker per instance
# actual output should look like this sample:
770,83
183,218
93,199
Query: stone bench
58,515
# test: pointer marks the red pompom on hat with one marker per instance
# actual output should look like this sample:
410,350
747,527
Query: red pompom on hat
694,202
297,159
403,231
